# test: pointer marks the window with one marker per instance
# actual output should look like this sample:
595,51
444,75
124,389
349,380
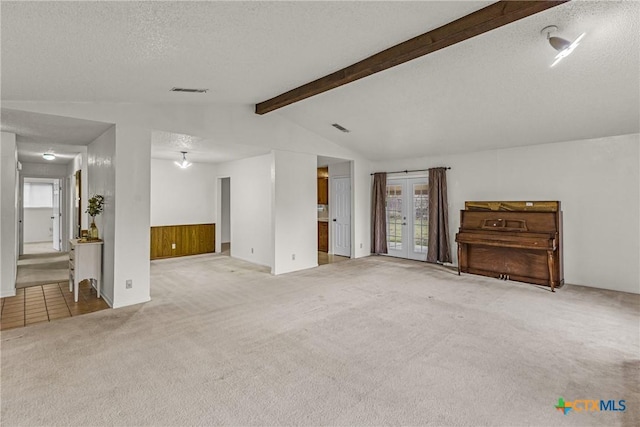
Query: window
38,195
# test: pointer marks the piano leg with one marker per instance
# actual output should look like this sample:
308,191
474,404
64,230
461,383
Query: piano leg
459,257
551,265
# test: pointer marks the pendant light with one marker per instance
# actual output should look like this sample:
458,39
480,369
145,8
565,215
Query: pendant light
184,163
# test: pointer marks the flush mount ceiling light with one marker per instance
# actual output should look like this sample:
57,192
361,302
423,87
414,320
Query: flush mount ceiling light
563,46
49,156
184,163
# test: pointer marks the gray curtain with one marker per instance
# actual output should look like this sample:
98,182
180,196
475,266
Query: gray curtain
438,249
379,214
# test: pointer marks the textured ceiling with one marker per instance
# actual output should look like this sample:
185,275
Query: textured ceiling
243,52
167,146
37,133
495,90
31,152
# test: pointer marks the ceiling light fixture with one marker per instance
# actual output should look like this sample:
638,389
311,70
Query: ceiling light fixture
563,46
184,163
49,156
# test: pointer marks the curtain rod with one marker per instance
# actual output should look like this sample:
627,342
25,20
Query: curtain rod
414,170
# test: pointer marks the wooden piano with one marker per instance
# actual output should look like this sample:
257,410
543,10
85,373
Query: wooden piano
519,241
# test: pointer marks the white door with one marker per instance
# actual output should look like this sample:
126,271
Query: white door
56,215
341,211
407,218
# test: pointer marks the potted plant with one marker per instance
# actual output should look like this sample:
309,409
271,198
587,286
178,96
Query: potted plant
95,208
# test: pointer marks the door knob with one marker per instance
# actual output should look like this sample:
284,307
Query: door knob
334,220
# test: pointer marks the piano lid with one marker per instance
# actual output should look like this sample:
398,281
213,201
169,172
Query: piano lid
515,206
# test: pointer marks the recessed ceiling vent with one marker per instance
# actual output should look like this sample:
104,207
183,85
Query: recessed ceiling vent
341,128
188,90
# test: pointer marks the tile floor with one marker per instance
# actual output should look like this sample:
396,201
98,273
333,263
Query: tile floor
48,302
325,258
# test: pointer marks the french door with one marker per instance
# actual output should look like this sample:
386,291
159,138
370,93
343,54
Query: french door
407,218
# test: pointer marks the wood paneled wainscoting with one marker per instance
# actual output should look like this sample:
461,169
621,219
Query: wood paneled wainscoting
180,240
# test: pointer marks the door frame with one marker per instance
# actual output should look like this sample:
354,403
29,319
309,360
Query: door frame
58,199
64,210
408,218
332,204
218,233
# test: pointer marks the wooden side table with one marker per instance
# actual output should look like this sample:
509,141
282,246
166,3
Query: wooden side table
85,262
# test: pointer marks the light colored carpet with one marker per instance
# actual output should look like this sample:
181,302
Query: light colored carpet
374,341
38,248
41,269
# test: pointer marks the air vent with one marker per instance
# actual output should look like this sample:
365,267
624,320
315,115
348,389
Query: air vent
188,90
340,128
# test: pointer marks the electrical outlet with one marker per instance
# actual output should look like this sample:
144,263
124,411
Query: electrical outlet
360,245
251,250
129,283
173,246
293,257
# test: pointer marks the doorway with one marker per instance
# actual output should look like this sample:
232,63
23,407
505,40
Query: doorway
335,233
225,216
408,218
341,212
41,216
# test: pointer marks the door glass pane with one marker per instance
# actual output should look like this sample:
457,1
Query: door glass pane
421,217
394,217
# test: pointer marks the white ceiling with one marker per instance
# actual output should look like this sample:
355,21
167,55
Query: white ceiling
167,146
39,133
495,90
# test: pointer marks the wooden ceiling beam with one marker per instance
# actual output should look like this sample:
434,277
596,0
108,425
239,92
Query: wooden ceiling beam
486,19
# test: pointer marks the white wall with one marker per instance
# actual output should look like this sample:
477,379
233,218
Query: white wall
295,211
124,224
132,218
182,196
251,215
101,180
37,225
236,125
361,195
43,170
597,181
225,211
341,169
8,219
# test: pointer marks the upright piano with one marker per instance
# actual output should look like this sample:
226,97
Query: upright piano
519,241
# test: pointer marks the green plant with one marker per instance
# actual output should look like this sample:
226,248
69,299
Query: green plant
95,205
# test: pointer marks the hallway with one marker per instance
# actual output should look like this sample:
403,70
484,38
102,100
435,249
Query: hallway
42,268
